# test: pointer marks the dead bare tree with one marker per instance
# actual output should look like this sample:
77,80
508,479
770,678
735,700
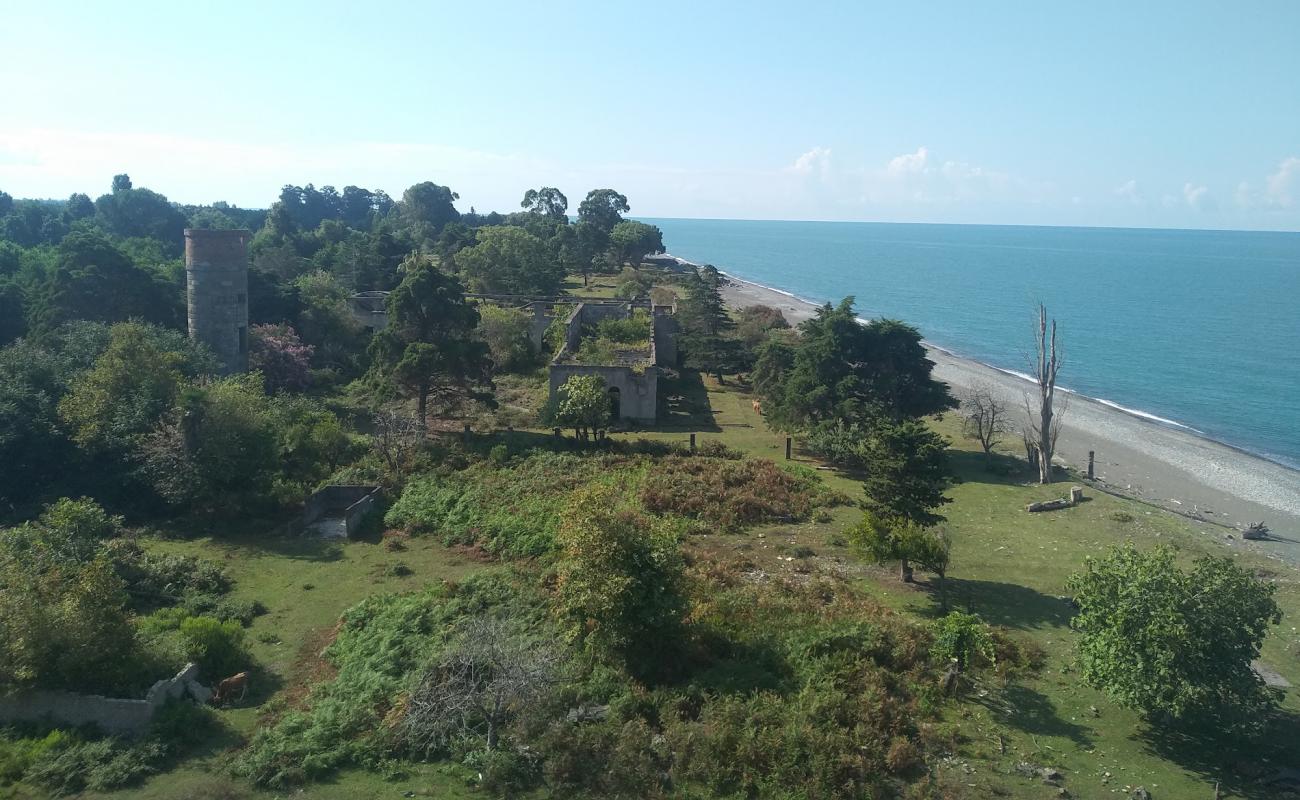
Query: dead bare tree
493,671
1044,422
985,416
395,440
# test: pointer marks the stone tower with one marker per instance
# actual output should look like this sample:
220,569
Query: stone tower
216,289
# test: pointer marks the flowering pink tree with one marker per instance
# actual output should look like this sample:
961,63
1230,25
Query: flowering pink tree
281,356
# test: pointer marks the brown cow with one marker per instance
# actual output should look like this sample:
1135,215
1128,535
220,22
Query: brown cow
227,688
757,406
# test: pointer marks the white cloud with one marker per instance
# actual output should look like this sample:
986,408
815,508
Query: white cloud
1280,186
909,163
816,161
1131,192
1198,197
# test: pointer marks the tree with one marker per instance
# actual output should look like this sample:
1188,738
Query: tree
620,579
705,324
326,323
631,241
755,323
218,448
984,416
963,640
583,405
506,331
280,356
1175,644
907,473
129,212
490,673
887,540
601,210
427,208
509,260
63,610
839,368
94,280
547,202
428,348
1045,425
132,383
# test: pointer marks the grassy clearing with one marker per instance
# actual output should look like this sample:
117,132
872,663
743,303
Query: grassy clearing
1007,565
1010,567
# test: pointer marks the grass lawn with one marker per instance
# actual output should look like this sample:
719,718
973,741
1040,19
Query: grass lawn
1010,567
1007,565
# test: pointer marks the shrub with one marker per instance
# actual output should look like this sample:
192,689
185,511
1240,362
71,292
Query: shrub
1176,645
216,646
731,494
619,582
73,765
506,332
510,512
962,639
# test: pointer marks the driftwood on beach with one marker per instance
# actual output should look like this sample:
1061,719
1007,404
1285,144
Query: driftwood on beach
1076,497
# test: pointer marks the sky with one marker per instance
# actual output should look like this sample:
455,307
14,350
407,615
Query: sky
1152,114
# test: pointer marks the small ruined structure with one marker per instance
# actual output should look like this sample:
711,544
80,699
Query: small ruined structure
114,715
632,380
335,511
216,291
1076,497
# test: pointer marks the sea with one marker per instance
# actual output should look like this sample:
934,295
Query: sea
1193,329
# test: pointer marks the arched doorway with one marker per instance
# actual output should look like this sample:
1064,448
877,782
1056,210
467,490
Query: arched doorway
615,403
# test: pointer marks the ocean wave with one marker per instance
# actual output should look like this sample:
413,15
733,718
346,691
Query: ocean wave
1146,415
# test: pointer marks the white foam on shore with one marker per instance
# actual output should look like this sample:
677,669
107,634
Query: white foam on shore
1144,415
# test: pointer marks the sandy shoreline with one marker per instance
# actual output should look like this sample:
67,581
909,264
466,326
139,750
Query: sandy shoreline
1161,465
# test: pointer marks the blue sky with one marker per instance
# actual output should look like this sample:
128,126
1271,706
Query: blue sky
1154,114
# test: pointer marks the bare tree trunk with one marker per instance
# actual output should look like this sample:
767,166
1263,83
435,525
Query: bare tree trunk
422,410
1046,366
904,571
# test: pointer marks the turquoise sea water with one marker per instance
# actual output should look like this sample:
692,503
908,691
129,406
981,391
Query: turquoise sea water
1199,328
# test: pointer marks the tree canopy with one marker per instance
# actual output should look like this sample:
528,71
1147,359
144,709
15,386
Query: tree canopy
509,260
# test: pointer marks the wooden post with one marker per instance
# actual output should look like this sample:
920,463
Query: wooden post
1091,461
692,443
556,431
466,433
789,443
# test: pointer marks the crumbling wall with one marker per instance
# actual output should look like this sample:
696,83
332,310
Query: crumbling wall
216,291
114,715
638,392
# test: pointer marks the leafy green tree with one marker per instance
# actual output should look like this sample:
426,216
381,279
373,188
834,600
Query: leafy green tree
962,640
890,540
429,348
79,206
583,405
1175,644
841,369
632,241
509,260
601,210
129,211
506,332
216,646
706,325
907,473
620,582
133,382
327,325
427,208
753,326
63,611
217,449
546,201
94,280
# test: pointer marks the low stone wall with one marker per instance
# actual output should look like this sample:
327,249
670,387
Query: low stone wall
346,502
114,715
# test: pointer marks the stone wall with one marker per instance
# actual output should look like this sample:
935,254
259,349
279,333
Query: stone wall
216,288
348,503
638,393
114,715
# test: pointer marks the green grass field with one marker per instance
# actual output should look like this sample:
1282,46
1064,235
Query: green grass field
1007,565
